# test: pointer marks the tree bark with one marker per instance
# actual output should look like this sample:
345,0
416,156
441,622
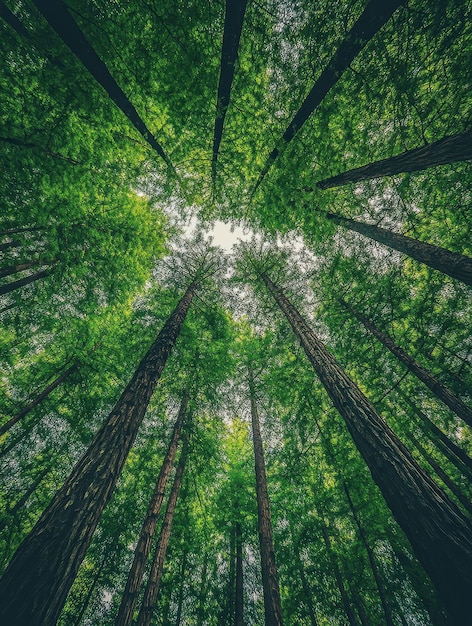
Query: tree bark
39,398
439,532
239,603
234,18
440,391
457,266
447,150
155,576
143,548
59,18
34,587
375,15
17,284
20,267
180,602
270,582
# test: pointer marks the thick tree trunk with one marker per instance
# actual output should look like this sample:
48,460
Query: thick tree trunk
34,587
234,18
375,15
155,576
457,266
439,532
239,602
143,548
440,391
447,150
270,582
39,398
17,284
59,18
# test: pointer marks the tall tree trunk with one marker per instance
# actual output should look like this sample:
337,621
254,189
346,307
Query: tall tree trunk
337,574
307,593
441,473
270,582
375,15
447,150
13,243
85,603
239,602
34,587
59,18
234,18
439,532
155,576
20,267
203,592
17,284
39,398
440,391
455,265
143,548
180,601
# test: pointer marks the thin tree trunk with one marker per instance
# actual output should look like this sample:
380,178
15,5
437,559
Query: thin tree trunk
447,150
143,548
239,603
85,603
17,284
440,472
232,578
14,243
234,18
337,574
59,18
34,587
180,602
439,532
15,231
440,391
455,265
20,267
307,599
203,592
39,398
155,576
375,15
270,582
24,498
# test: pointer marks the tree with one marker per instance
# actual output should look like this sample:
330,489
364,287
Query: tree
456,265
272,605
69,527
155,575
135,576
447,150
411,495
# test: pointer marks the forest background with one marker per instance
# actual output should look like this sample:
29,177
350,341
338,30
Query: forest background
121,122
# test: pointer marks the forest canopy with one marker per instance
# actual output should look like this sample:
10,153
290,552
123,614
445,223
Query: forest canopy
276,433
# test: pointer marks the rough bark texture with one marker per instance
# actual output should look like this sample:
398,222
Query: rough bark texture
34,587
447,150
375,15
155,576
438,531
17,284
143,548
440,391
59,18
239,604
234,18
456,265
270,581
39,398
